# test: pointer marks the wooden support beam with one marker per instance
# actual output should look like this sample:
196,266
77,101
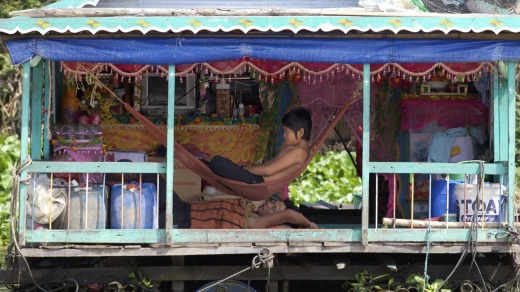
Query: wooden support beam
277,273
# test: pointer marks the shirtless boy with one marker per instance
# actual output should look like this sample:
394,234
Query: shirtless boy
297,127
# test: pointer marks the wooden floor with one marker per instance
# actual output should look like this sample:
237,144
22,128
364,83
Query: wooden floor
252,248
285,267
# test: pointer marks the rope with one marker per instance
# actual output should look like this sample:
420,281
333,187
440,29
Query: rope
428,242
17,170
472,244
264,258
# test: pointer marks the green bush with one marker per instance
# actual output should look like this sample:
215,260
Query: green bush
331,177
9,153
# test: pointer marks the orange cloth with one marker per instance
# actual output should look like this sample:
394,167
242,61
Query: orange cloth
236,142
220,214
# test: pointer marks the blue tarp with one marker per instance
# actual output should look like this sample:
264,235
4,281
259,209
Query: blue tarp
162,51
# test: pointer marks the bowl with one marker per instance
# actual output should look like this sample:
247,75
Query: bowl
438,85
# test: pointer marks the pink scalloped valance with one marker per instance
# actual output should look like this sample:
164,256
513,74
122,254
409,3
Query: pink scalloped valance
271,71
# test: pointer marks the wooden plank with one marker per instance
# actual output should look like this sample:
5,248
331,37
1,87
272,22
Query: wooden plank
97,167
442,168
305,244
387,248
105,236
151,12
258,237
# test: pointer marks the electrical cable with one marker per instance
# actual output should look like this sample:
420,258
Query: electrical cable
14,196
263,258
472,243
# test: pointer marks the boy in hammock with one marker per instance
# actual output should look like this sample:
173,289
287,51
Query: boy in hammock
297,125
237,213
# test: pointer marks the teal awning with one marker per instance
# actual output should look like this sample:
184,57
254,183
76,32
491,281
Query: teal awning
247,24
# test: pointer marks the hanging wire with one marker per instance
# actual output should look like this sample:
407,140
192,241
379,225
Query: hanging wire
472,244
263,257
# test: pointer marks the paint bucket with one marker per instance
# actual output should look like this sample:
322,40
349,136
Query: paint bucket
471,178
439,188
490,202
133,207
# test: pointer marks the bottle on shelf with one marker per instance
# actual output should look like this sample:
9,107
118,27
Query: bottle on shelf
95,114
241,109
235,108
83,113
231,105
69,108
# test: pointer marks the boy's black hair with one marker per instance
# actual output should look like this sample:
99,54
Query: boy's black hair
299,118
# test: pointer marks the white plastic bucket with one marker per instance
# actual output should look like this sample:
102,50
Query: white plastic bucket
490,207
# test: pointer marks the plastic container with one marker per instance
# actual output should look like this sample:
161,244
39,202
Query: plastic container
88,208
490,203
439,188
133,207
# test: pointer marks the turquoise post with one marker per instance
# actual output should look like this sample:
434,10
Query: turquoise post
26,90
511,86
366,152
46,108
496,114
36,110
170,154
502,118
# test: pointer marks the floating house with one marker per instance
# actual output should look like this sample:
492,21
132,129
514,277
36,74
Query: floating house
429,98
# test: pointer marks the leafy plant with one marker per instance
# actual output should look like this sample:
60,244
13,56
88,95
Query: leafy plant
365,281
9,153
330,177
142,282
421,284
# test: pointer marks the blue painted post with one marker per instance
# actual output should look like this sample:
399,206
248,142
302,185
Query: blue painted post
366,153
170,154
26,90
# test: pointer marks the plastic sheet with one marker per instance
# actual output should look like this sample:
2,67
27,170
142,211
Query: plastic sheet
162,51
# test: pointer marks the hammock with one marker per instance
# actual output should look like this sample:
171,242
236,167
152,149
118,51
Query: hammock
255,192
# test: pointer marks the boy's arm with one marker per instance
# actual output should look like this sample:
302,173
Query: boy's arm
293,157
286,216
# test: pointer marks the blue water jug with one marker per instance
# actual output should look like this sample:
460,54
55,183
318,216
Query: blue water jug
134,206
439,197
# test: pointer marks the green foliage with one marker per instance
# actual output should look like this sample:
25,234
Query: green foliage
141,281
366,282
7,6
331,177
9,153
